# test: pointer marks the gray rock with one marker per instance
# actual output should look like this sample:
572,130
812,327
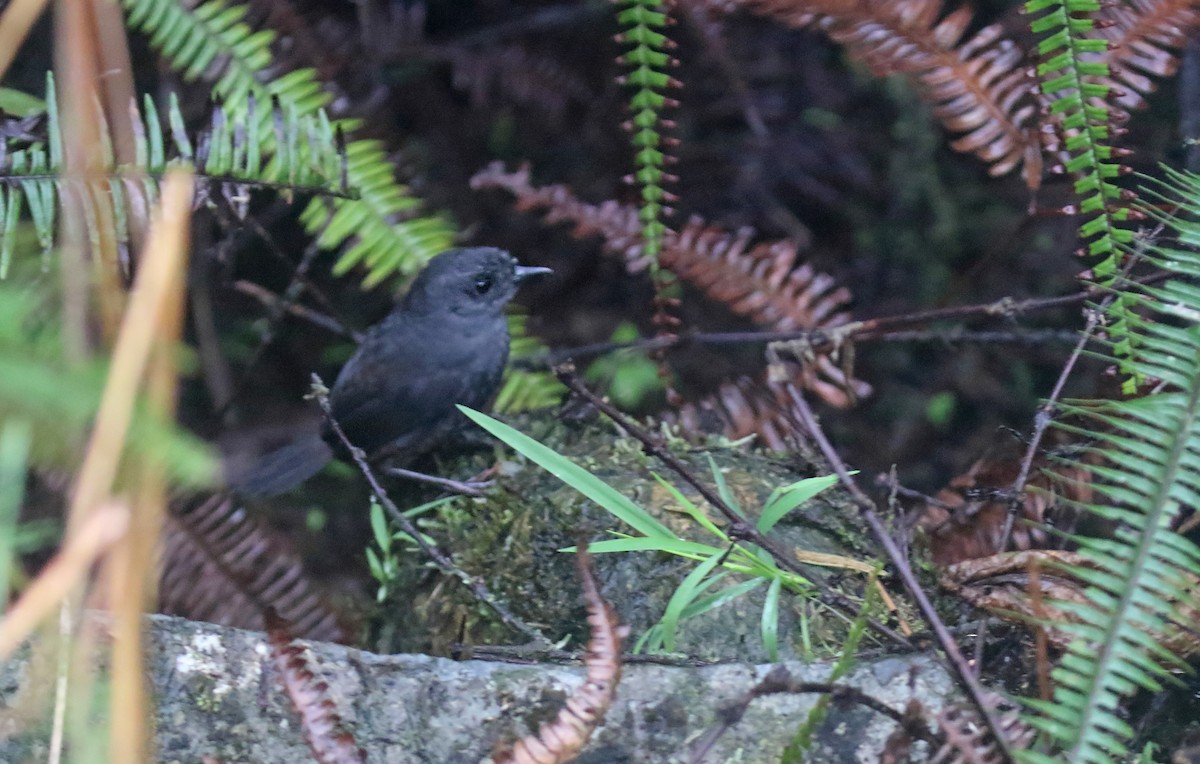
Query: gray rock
217,695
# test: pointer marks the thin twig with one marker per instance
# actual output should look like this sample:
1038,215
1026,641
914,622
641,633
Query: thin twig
445,564
535,654
298,284
273,302
231,222
866,508
779,680
1032,337
889,481
277,311
818,339
1041,422
739,528
957,336
1045,412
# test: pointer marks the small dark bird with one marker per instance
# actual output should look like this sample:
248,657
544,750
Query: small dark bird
446,343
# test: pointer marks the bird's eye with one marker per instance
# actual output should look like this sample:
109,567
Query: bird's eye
483,283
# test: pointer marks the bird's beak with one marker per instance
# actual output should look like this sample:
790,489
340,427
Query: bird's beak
524,272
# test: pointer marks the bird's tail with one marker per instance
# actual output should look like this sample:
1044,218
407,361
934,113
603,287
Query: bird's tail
282,469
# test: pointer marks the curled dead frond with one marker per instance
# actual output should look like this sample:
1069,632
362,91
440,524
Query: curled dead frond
221,566
320,723
978,85
968,518
561,740
1142,36
1048,587
760,281
967,739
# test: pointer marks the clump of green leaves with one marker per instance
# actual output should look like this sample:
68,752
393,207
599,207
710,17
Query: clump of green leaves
382,228
716,561
386,563
308,159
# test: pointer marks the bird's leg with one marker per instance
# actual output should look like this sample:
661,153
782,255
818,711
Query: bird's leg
467,488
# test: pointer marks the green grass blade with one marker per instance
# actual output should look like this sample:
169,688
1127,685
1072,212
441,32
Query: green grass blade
690,507
723,488
680,547
692,586
573,475
784,500
770,620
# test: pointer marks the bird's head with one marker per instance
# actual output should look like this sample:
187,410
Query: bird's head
475,280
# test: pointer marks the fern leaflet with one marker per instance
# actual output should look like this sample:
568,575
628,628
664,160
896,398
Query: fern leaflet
1074,77
1140,577
213,42
31,173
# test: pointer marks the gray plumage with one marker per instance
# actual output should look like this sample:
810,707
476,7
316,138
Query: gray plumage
446,343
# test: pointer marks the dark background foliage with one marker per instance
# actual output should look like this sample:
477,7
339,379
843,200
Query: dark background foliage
780,131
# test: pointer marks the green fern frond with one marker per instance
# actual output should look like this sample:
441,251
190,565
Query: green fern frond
32,175
1076,82
387,236
1077,88
1139,577
642,22
212,41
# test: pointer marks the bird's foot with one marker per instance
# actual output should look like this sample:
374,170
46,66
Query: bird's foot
471,487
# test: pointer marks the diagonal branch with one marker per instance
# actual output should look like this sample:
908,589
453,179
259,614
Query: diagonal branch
443,561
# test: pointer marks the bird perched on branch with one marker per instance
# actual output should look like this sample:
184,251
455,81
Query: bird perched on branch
446,343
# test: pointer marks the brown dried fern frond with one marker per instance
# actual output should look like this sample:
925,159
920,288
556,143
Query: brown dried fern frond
967,739
979,85
737,410
221,566
1142,36
561,740
617,224
760,282
523,76
320,723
